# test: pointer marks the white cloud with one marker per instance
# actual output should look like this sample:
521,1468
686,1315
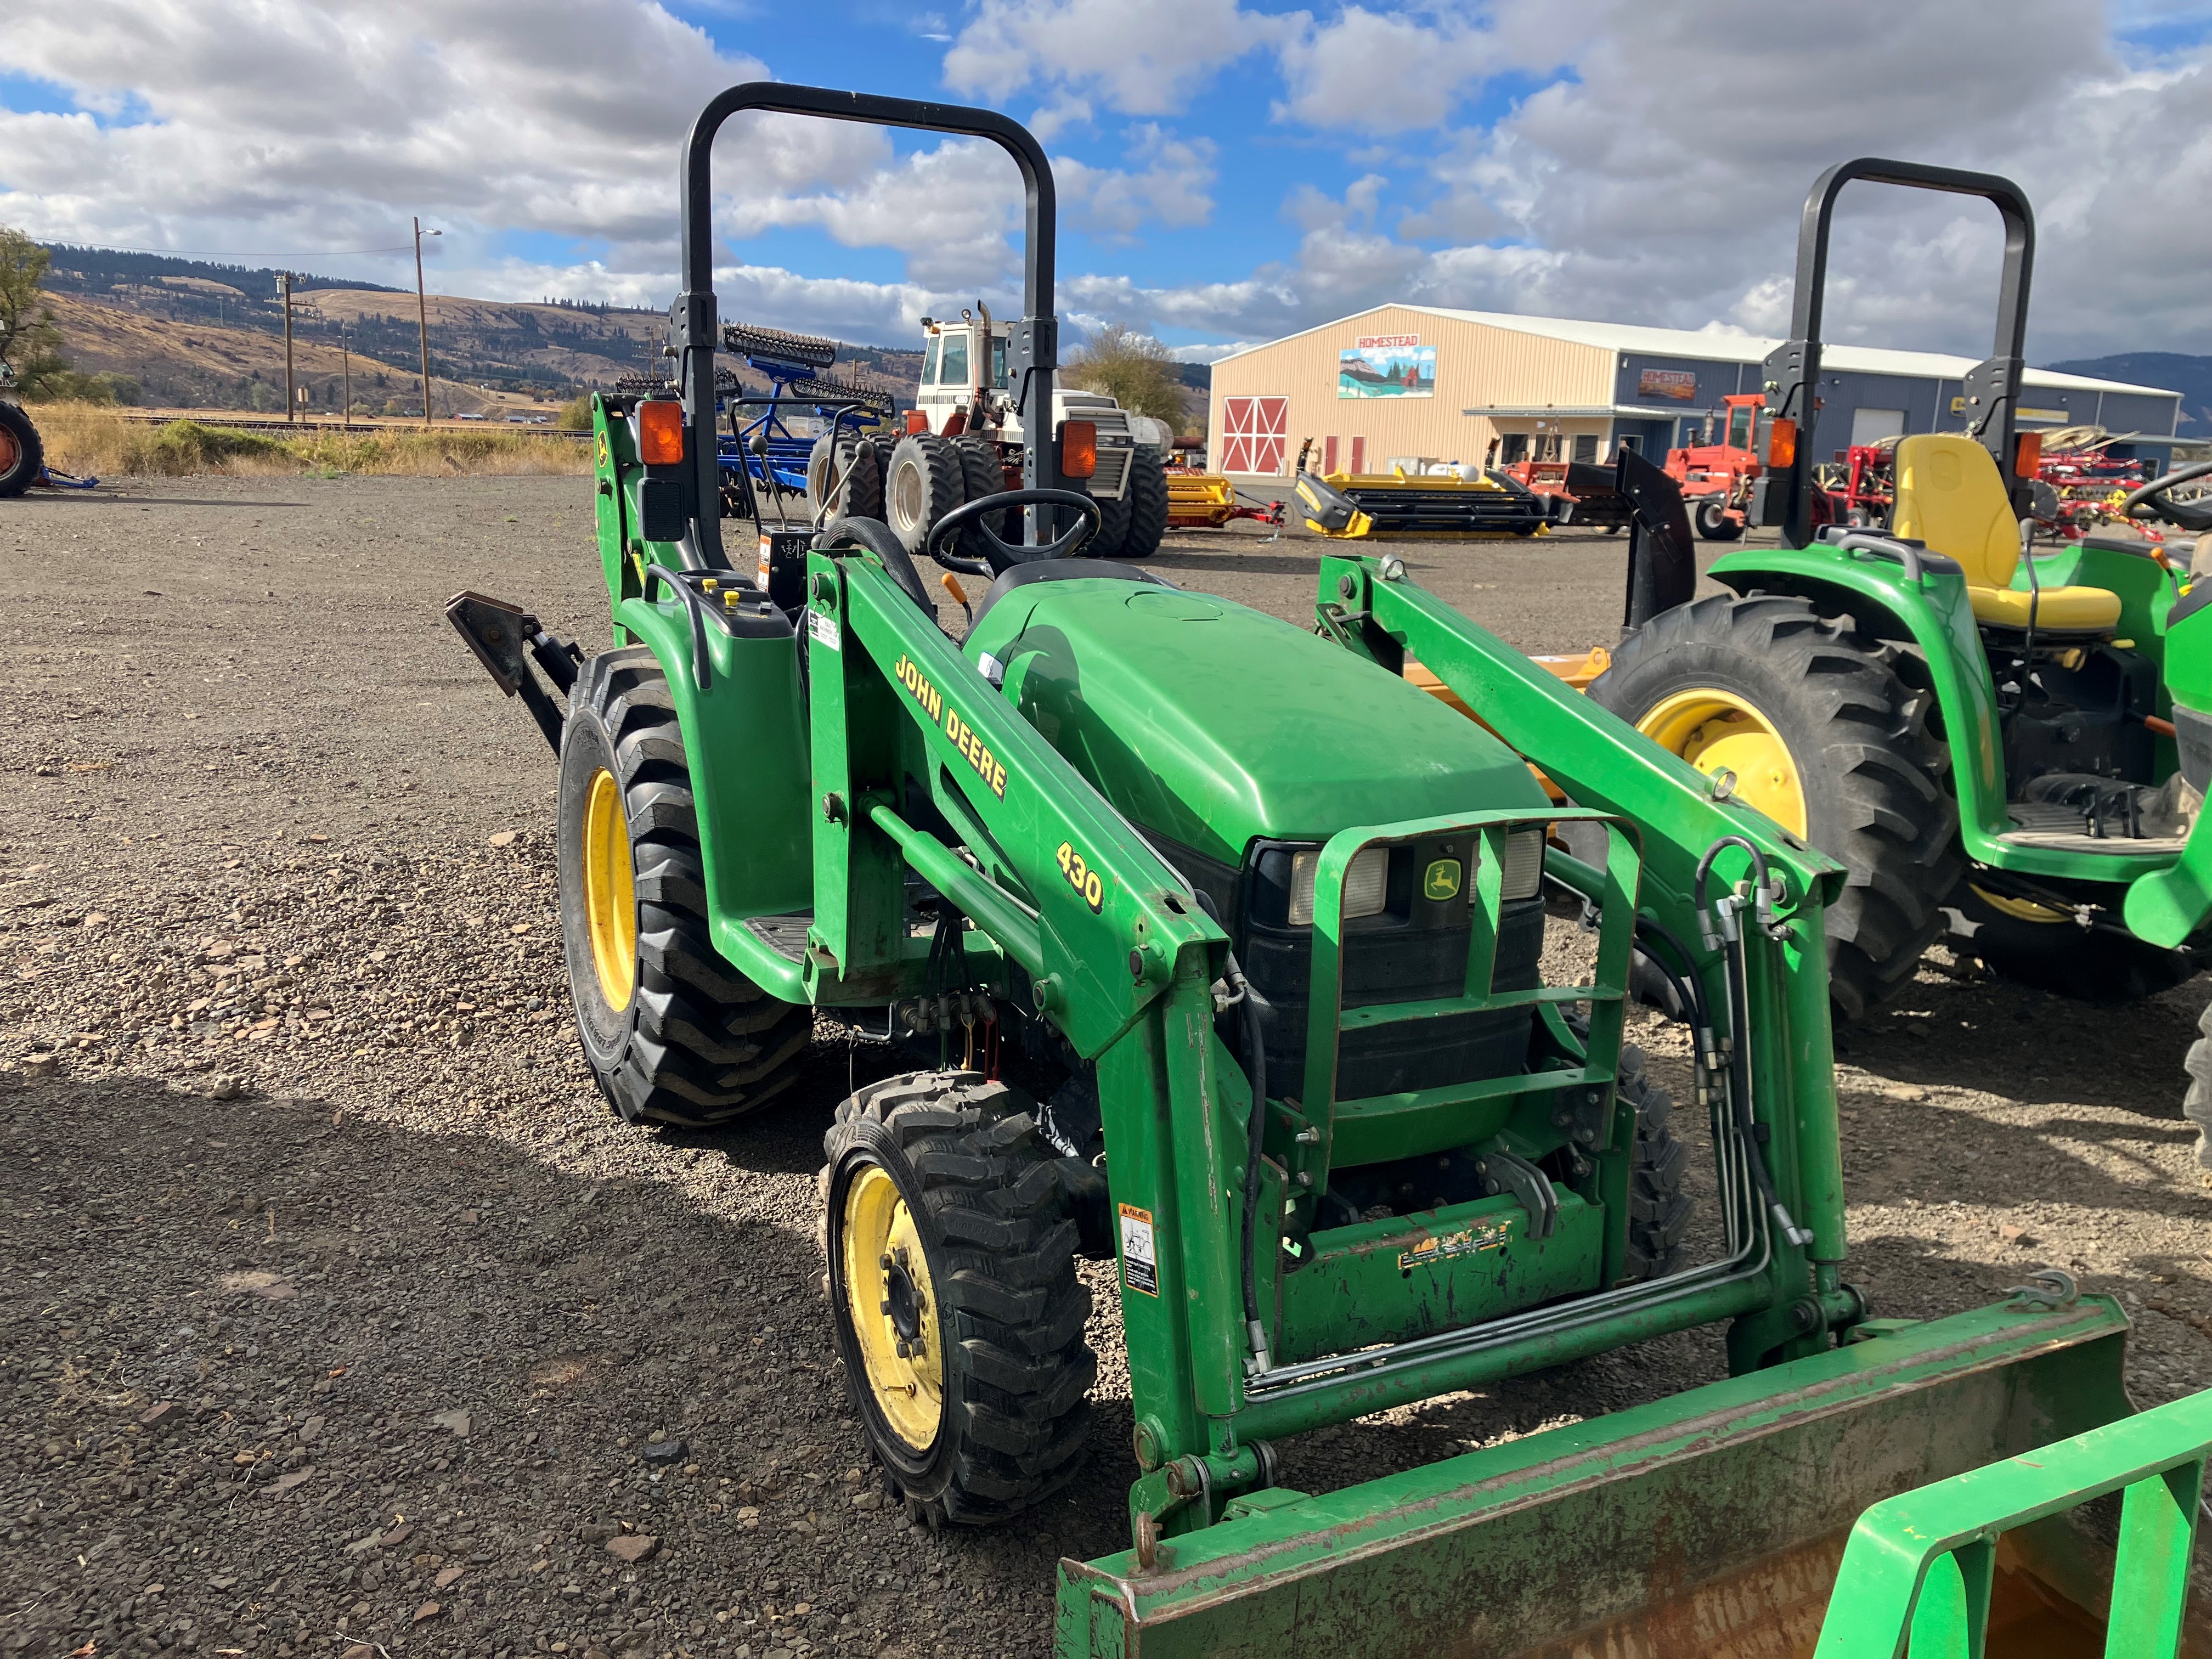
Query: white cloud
1173,188
1380,71
1141,57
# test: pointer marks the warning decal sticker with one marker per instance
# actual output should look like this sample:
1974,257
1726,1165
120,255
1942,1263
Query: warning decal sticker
1141,1264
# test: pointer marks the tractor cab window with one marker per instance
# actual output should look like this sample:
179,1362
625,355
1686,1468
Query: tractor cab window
998,364
929,360
1740,419
1693,430
952,370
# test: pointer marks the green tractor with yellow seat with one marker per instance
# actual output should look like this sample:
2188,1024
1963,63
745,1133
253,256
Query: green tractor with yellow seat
1998,741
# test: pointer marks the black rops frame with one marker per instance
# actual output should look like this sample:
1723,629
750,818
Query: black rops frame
694,328
1792,373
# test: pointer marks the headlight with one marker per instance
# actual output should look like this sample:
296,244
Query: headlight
1365,882
1524,862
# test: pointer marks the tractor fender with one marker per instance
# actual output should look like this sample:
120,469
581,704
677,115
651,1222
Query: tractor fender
745,739
1933,612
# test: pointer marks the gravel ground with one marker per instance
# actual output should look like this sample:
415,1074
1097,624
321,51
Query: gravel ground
340,1318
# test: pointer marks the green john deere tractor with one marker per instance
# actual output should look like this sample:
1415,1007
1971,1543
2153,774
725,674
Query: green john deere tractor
1236,934
1997,741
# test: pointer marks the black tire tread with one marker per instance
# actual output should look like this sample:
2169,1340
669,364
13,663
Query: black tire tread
944,486
1898,833
1147,496
1658,1209
706,1044
1018,1401
2196,1104
981,474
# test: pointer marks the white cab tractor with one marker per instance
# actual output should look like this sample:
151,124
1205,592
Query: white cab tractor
963,440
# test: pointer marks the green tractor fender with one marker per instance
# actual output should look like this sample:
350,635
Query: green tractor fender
1931,606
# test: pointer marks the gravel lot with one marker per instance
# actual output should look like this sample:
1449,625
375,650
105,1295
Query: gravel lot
340,1318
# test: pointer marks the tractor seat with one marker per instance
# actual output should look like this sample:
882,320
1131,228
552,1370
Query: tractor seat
1950,497
2058,609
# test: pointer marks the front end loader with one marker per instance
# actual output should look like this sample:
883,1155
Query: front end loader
1236,935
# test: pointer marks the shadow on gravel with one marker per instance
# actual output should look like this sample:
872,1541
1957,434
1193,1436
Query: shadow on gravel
339,1324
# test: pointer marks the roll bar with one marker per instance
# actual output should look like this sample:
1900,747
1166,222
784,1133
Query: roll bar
694,328
1784,496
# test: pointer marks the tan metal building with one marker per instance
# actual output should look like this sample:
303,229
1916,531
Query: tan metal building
1403,381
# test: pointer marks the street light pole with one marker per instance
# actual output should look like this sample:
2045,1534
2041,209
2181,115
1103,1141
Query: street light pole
422,316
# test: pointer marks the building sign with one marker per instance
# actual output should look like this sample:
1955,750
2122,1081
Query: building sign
1678,384
1387,365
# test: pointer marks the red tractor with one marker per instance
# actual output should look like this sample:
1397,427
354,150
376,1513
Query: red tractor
1716,477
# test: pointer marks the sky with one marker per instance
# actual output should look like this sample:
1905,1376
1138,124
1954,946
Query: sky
1227,172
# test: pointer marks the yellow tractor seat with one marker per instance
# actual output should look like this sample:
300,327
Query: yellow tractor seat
1950,497
2060,609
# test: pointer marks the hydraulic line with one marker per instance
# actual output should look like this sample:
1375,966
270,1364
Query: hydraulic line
1721,925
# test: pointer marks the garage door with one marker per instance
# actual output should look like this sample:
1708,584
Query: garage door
1254,434
1871,426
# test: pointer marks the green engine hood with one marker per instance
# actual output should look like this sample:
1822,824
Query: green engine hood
1211,724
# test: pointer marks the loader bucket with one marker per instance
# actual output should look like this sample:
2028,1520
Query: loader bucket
1707,1525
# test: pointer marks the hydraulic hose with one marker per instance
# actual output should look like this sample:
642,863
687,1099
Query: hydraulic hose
1722,926
1256,1071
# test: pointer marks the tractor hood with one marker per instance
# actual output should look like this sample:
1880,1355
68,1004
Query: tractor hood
1211,724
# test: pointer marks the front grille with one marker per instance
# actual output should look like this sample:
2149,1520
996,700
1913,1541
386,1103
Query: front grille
1112,474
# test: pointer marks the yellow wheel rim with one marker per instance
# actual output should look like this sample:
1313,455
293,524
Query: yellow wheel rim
610,891
2021,910
1717,730
892,1304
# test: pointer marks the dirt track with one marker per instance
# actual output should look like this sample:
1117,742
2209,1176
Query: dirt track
301,1157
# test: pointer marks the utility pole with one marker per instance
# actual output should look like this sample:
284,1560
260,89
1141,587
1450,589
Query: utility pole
291,397
422,318
345,358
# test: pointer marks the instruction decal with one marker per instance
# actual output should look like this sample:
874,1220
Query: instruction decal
823,627
1443,1247
1140,1262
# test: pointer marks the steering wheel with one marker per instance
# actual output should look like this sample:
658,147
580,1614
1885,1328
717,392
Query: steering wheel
2149,501
998,555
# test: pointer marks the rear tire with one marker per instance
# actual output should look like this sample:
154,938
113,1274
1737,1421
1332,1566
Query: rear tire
2034,945
673,1031
1856,754
927,480
858,492
982,473
1147,497
953,1294
23,455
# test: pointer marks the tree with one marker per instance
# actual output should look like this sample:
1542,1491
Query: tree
28,339
1133,369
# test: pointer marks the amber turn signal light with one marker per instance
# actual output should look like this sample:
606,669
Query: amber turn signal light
2027,455
1781,442
660,432
1079,448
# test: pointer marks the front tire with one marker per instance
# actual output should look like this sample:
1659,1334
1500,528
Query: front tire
673,1032
1824,738
22,454
953,1293
846,480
